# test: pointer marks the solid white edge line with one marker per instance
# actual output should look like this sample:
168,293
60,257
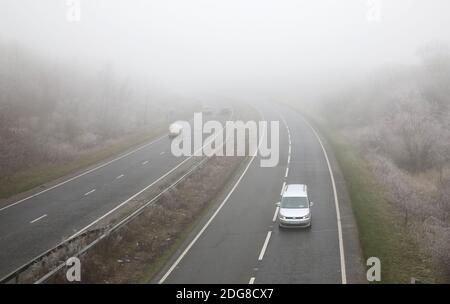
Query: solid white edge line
178,260
167,173
275,215
263,249
287,172
199,234
138,210
80,231
38,219
336,202
282,188
252,280
135,195
84,173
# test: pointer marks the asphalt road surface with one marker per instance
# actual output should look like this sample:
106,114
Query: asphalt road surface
31,226
241,242
238,242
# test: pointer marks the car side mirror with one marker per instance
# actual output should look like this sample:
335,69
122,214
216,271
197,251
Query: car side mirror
311,204
278,204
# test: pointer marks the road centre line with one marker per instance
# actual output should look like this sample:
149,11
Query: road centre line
275,215
90,192
84,173
38,219
263,249
199,234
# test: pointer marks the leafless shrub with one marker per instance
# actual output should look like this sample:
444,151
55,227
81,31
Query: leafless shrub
50,114
400,122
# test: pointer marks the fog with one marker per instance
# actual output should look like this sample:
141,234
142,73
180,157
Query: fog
82,81
233,46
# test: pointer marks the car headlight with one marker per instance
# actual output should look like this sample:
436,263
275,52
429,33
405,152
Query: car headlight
282,217
307,216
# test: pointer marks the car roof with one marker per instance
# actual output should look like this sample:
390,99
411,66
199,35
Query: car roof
295,190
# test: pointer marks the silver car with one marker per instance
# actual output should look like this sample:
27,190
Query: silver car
295,207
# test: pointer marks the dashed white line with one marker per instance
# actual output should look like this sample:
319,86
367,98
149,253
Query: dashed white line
263,249
275,215
140,192
120,176
282,188
252,280
38,219
162,153
129,199
90,192
83,174
290,145
145,162
199,234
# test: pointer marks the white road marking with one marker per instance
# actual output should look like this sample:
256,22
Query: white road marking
38,219
252,280
90,192
186,250
145,162
263,249
138,193
336,203
123,203
290,145
276,213
126,219
162,153
282,188
120,176
84,173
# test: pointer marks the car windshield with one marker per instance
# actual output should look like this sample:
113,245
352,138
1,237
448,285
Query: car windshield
294,202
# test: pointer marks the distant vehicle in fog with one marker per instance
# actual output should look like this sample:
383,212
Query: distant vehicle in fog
175,129
225,111
207,110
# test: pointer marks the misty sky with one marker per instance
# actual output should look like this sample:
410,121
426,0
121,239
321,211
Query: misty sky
196,43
